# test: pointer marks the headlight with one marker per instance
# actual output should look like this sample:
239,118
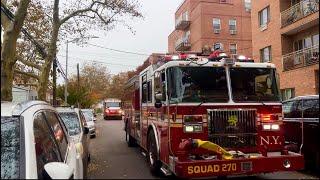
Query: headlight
79,148
193,128
270,127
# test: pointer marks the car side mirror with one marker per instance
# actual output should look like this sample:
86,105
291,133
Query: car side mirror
58,170
86,130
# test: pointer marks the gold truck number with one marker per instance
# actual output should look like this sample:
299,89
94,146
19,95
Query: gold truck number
212,168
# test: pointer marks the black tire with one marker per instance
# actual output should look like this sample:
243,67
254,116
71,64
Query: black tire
92,136
152,155
89,157
131,141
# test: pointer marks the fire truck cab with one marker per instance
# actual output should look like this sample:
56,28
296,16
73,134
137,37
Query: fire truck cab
112,108
203,116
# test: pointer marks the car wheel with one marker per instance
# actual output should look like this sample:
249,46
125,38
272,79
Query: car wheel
152,155
93,136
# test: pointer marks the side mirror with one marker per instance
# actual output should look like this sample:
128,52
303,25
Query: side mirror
58,170
86,130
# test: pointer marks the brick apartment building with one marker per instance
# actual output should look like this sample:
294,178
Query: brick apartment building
286,33
206,22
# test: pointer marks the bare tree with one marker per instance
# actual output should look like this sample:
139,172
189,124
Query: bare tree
78,17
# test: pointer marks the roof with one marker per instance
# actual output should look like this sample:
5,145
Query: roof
303,97
17,108
65,109
131,81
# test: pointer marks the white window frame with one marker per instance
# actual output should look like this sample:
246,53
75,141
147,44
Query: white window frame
287,92
261,17
233,55
247,5
213,23
235,24
262,54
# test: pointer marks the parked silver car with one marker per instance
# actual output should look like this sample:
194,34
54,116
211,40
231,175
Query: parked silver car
91,119
75,123
35,144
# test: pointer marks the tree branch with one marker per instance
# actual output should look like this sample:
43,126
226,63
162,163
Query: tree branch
26,73
28,63
77,12
5,21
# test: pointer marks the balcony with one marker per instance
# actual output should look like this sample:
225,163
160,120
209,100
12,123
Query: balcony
182,22
302,58
182,44
299,11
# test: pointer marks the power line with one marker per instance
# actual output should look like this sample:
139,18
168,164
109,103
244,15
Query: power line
98,61
119,50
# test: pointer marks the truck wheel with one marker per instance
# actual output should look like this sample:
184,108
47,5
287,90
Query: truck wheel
131,141
152,155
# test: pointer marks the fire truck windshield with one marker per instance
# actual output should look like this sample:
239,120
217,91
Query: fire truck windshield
254,84
197,84
113,104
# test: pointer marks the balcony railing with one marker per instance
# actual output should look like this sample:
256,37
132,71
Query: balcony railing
301,58
299,11
182,22
182,44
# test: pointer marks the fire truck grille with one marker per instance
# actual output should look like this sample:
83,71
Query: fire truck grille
234,128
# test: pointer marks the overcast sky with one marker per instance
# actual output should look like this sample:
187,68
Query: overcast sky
151,36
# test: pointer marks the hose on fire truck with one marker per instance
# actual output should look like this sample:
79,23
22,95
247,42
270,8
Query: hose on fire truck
214,147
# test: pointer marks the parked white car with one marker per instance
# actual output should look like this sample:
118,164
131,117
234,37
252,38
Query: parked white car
35,143
76,124
91,119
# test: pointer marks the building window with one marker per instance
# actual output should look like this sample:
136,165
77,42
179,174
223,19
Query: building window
233,50
247,5
287,93
265,54
232,25
264,16
216,25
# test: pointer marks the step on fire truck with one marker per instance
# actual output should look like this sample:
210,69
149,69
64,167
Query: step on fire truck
204,116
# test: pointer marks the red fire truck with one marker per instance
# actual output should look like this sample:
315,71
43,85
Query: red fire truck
204,116
112,108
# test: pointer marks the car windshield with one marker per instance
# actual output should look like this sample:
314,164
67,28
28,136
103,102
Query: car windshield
254,84
197,84
87,114
113,104
71,121
10,148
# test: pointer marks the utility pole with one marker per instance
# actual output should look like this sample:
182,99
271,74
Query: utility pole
54,81
78,74
66,79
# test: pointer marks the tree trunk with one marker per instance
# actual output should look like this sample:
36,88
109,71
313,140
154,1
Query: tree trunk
44,77
7,62
8,47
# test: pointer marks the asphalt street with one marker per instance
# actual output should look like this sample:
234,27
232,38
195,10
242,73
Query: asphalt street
111,158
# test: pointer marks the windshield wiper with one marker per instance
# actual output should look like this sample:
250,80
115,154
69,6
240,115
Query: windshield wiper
191,110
